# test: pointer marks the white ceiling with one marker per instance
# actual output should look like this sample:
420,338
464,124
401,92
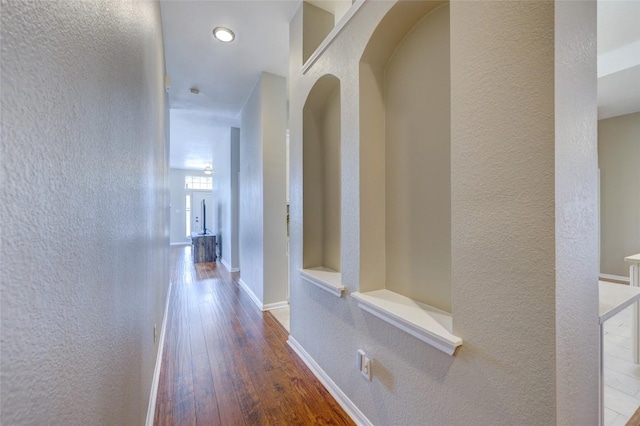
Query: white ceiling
192,134
225,73
618,57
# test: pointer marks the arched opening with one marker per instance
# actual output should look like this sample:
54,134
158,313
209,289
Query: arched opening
322,198
405,155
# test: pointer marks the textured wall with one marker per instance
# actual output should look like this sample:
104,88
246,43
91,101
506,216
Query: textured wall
418,164
331,182
502,200
274,245
221,198
251,193
84,210
576,213
263,205
322,200
225,195
313,187
235,199
619,160
503,233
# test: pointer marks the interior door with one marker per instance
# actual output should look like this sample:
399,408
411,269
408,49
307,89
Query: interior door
196,212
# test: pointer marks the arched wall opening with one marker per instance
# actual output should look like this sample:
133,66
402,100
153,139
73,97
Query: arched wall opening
322,199
405,171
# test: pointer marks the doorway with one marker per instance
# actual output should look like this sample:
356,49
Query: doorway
197,222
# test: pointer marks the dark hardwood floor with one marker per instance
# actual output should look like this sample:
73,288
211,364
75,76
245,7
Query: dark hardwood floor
635,419
227,363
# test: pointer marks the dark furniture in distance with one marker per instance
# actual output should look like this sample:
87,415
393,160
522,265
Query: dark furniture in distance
203,247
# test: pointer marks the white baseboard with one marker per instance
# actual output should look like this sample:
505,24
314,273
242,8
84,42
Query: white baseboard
226,265
151,410
257,301
276,305
354,412
229,268
614,277
186,243
250,293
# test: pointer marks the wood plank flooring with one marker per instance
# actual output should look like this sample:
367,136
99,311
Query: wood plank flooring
227,363
635,419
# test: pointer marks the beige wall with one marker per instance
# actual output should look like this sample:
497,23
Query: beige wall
322,201
313,194
619,162
332,182
274,245
510,309
317,24
417,175
225,196
263,233
84,276
502,204
252,193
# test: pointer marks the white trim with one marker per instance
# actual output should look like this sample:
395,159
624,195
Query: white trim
250,293
424,322
613,298
633,258
634,282
351,409
151,410
614,277
276,305
224,262
258,303
186,243
332,35
327,279
226,265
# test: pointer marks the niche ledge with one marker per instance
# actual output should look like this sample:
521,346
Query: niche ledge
424,322
325,278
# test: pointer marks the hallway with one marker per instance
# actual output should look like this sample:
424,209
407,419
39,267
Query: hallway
224,362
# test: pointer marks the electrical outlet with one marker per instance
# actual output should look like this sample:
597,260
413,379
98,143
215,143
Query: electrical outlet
155,334
366,368
364,364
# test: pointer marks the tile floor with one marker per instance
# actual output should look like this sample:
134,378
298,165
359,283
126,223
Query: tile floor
282,315
621,375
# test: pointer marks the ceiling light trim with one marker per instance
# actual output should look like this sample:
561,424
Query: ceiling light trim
224,34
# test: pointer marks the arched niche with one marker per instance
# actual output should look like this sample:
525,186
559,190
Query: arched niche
322,200
405,172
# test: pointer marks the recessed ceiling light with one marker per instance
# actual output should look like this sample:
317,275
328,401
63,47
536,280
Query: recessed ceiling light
223,34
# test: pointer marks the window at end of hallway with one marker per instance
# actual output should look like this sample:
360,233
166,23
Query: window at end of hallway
198,182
